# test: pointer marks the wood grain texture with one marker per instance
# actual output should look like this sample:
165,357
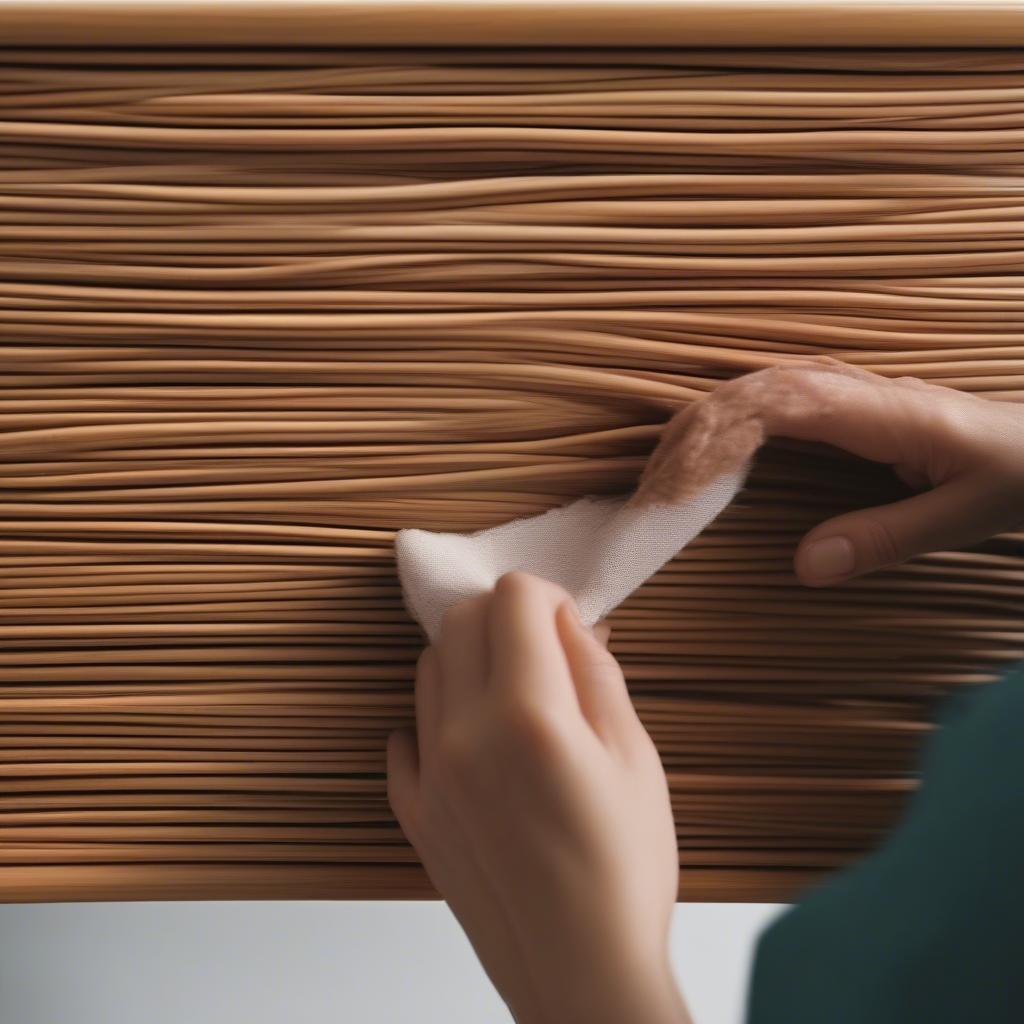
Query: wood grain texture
262,309
540,23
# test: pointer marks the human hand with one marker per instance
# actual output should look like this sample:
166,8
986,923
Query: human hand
539,807
963,452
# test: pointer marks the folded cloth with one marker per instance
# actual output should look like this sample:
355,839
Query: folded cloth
599,549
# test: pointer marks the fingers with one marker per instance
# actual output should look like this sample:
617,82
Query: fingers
600,685
866,415
932,437
527,656
951,516
403,777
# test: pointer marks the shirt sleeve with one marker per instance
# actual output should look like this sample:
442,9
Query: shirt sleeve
930,927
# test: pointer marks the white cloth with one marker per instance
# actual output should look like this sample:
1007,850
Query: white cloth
599,550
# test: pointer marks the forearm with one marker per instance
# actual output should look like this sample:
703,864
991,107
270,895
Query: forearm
540,808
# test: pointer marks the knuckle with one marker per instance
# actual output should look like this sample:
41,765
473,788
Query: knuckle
598,661
880,542
602,674
795,376
954,419
789,374
457,750
533,729
730,389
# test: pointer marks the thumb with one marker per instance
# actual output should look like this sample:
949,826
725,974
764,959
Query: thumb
952,515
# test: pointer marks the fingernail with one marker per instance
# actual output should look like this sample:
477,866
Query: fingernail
829,559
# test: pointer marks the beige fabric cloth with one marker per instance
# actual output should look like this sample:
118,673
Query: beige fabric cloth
599,550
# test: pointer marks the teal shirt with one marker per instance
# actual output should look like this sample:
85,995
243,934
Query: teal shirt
929,929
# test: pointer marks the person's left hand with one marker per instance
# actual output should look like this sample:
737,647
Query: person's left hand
539,807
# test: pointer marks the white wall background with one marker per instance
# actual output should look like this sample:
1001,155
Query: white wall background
302,963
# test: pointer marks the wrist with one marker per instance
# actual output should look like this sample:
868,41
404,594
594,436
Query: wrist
628,989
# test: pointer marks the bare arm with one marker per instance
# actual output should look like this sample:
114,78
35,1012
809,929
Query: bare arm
540,809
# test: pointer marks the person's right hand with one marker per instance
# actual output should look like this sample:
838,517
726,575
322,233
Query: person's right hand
963,452
539,807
